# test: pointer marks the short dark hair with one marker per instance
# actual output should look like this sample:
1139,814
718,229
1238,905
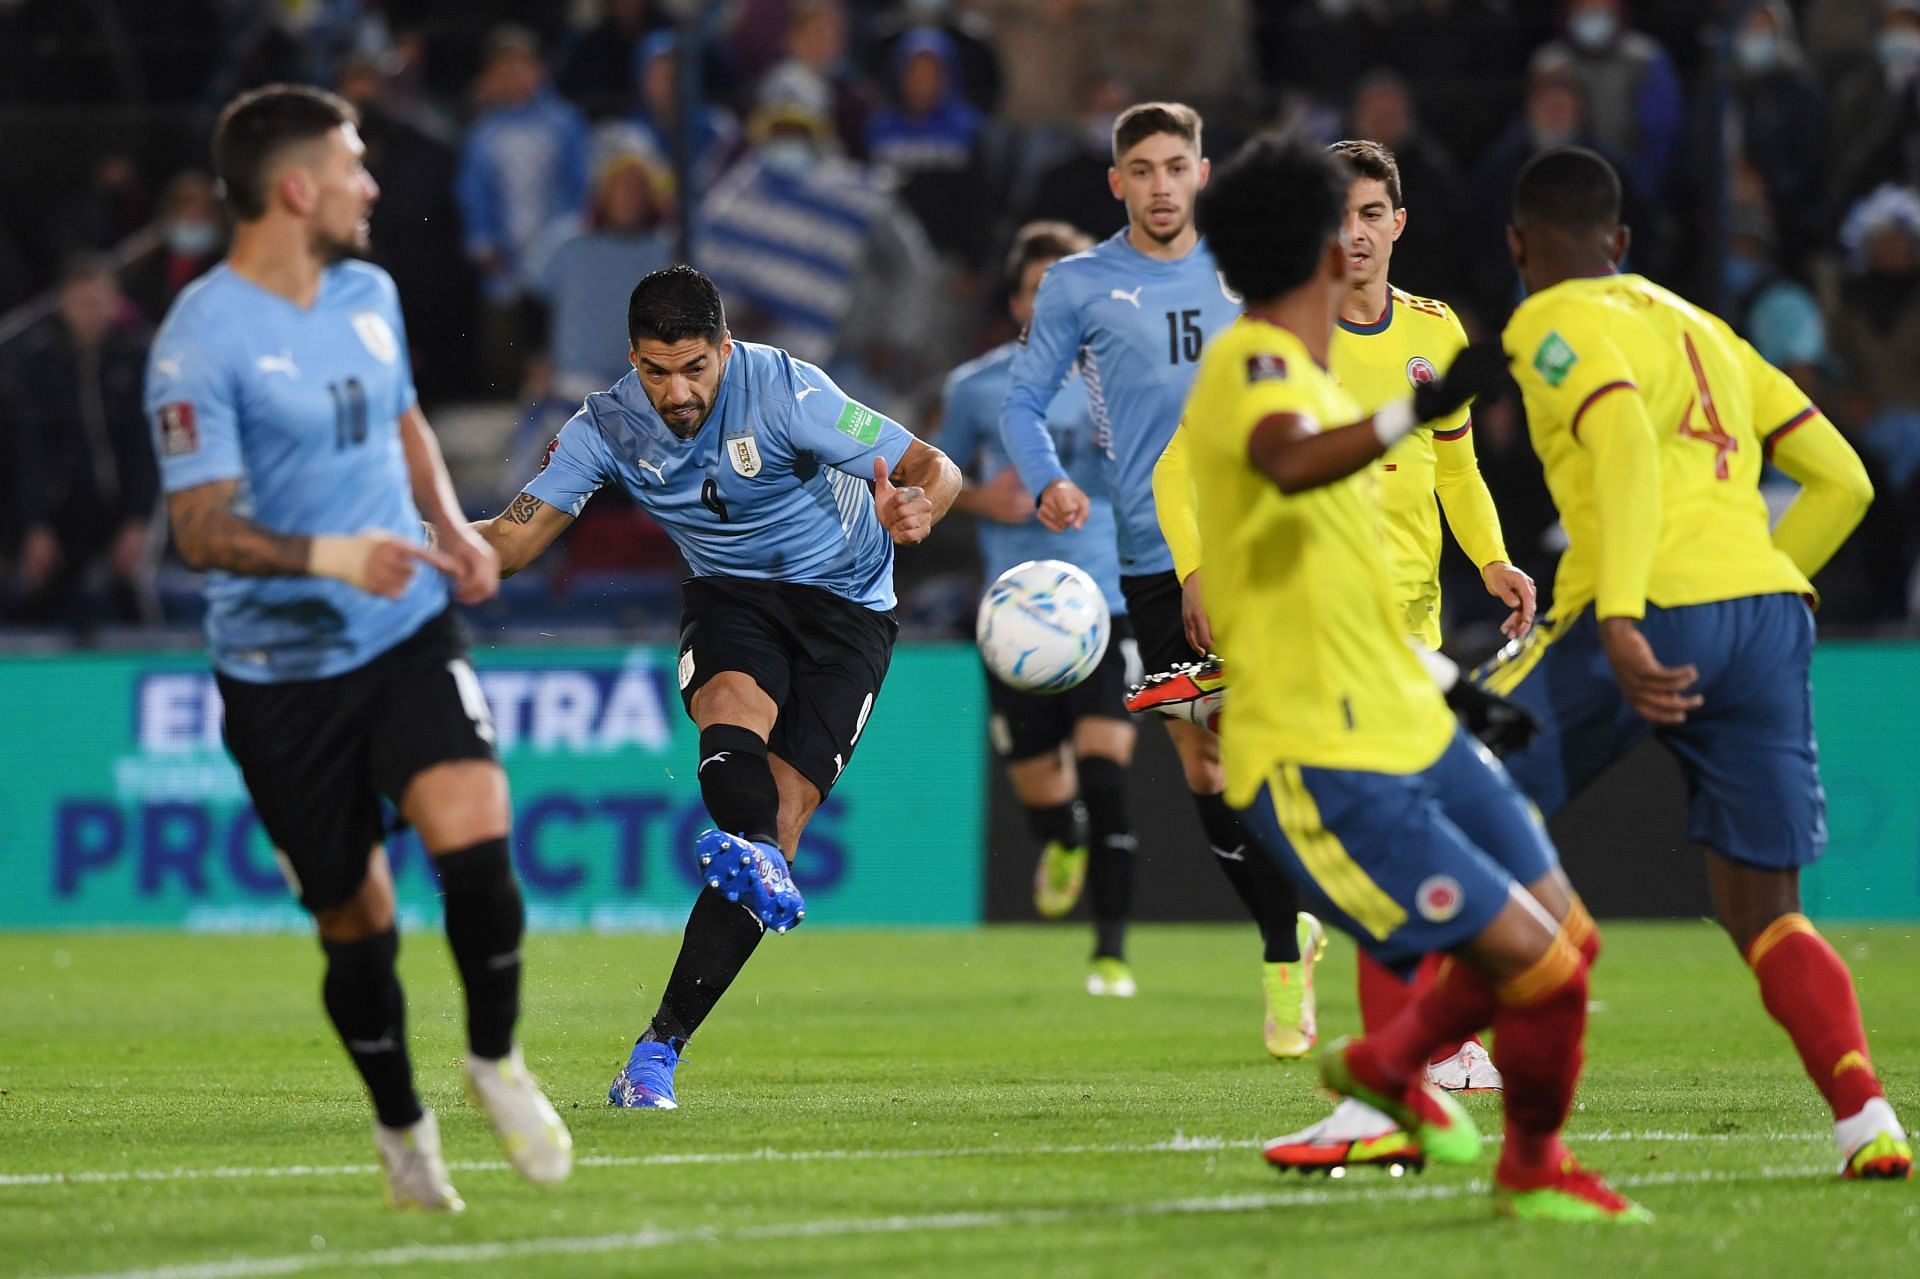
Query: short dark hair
256,126
1270,212
673,304
1371,160
1144,119
1042,242
1571,188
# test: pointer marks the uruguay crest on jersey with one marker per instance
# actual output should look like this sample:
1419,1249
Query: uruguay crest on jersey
744,452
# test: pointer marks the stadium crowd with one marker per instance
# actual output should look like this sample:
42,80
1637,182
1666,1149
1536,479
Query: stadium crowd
851,172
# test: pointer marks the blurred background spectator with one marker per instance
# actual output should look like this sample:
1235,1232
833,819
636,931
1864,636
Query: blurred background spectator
82,471
524,169
193,229
588,275
1771,150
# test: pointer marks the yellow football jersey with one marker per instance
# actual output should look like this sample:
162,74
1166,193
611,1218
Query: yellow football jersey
1714,406
1414,339
1297,586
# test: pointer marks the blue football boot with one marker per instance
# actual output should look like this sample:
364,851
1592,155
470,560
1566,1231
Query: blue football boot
646,1082
755,875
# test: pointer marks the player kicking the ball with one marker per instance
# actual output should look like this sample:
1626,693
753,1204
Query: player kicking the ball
786,498
1675,611
298,465
1339,750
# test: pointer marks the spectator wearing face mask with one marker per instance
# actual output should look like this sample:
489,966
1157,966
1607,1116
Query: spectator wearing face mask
1780,113
816,69
193,232
82,470
1636,107
1874,137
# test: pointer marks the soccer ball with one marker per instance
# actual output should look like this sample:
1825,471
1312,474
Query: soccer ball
1043,626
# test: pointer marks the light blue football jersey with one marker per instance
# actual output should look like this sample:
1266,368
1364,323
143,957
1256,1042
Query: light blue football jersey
302,406
970,435
1136,325
776,485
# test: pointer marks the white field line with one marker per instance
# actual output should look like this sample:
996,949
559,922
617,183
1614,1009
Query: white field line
1176,1145
830,1228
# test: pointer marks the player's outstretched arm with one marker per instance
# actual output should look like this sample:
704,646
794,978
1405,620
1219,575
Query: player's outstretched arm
1834,491
211,536
476,571
521,532
1296,455
918,493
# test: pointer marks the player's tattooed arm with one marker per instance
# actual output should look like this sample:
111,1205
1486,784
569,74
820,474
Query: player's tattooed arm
211,536
521,532
523,509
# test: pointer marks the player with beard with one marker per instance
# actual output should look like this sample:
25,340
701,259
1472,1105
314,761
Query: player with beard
786,498
298,466
1134,312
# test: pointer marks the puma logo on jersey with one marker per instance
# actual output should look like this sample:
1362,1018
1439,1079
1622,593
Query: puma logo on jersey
1121,295
167,366
804,393
718,757
281,363
645,465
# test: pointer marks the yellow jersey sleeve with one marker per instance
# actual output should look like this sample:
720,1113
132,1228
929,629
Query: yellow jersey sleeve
1456,478
1834,490
1173,503
1626,500
1579,384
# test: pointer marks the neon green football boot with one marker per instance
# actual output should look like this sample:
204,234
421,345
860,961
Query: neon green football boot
1292,1023
1058,879
1439,1123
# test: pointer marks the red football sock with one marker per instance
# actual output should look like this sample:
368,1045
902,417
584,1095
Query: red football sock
1538,1044
1808,990
1459,1002
1382,993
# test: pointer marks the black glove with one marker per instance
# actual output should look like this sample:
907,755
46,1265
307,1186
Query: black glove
1478,374
1502,726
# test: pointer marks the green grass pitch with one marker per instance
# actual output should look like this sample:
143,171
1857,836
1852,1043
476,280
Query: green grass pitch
895,1103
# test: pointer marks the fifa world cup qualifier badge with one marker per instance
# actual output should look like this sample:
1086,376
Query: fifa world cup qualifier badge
179,431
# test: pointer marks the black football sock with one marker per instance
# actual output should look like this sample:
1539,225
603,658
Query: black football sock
736,783
1110,857
1263,888
362,995
720,937
1063,824
485,922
